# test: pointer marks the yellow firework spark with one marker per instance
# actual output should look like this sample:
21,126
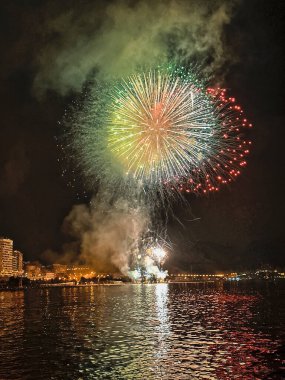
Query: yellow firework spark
159,126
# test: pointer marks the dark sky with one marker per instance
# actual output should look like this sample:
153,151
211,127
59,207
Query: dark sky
241,226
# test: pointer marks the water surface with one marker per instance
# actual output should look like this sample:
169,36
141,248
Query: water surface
162,331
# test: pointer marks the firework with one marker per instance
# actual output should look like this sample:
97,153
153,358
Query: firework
149,263
159,254
160,131
159,127
228,150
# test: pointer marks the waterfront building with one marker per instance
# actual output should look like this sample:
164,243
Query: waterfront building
17,263
47,276
6,257
195,277
33,270
76,272
60,270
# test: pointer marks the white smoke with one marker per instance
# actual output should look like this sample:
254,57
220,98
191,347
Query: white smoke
108,234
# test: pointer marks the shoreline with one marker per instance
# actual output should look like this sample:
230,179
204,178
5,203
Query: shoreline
211,282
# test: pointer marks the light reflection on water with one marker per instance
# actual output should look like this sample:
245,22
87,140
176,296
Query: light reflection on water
162,331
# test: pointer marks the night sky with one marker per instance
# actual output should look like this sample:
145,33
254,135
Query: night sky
239,227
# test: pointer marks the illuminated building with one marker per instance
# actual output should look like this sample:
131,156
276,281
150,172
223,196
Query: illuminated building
17,263
53,271
6,257
48,276
33,271
59,269
196,277
76,272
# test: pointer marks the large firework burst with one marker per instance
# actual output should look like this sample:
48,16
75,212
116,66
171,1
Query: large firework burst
160,130
160,126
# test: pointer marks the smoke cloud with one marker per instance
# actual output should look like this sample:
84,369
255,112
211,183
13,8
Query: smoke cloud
107,234
114,39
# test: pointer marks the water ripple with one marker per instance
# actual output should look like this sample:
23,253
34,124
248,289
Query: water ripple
163,331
